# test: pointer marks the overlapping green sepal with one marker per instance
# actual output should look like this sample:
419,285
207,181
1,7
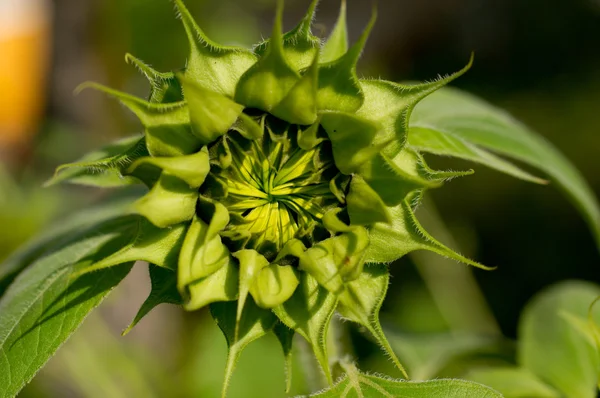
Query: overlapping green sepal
212,66
107,167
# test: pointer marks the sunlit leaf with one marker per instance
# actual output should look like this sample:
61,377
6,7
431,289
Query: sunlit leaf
461,116
554,349
359,385
70,229
46,303
513,382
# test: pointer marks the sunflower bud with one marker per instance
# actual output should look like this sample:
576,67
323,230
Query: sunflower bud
280,183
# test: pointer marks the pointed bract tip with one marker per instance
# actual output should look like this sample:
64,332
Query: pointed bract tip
356,50
277,35
308,18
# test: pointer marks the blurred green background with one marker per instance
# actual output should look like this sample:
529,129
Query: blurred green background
539,59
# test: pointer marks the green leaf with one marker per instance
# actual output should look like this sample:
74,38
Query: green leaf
106,166
513,382
459,115
211,66
254,323
389,242
308,312
439,143
70,229
46,303
337,42
362,300
164,290
359,385
554,349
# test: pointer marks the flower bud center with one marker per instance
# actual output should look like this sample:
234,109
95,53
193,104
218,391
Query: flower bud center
274,190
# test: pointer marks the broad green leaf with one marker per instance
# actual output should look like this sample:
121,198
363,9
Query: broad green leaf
360,385
308,312
164,290
554,349
105,167
439,143
405,234
46,303
462,116
253,324
362,300
213,67
337,42
429,355
513,382
59,234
